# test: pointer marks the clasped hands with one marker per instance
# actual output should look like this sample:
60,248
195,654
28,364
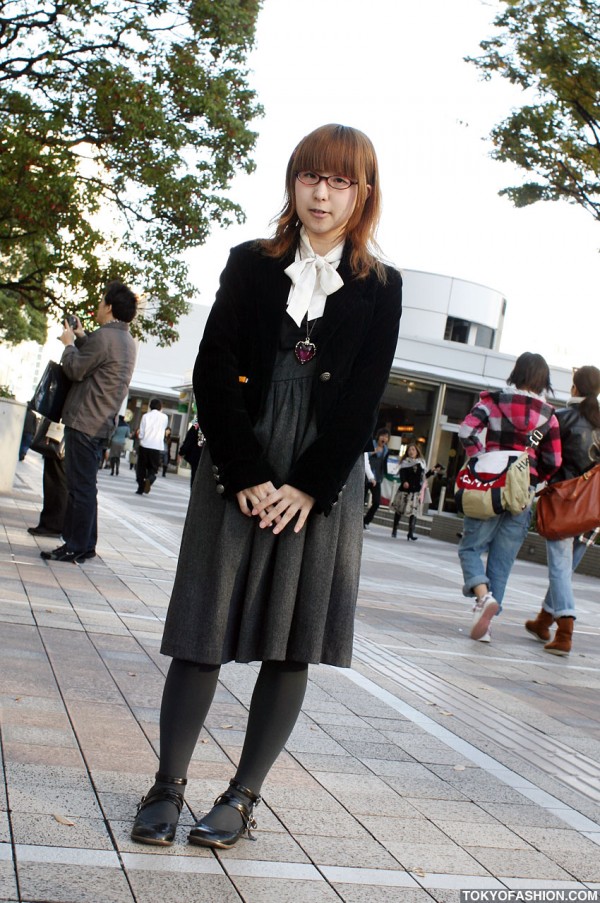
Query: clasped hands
275,507
68,335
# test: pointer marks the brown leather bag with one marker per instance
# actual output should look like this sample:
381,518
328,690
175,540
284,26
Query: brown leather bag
570,507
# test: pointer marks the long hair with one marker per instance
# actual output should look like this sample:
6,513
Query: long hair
406,457
341,150
530,372
587,382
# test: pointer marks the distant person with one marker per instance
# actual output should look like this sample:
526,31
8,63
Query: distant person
100,366
117,445
151,446
436,481
580,437
166,451
375,471
508,416
191,448
29,428
411,476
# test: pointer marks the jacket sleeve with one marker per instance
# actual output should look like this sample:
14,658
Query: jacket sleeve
549,456
471,428
322,469
238,457
79,360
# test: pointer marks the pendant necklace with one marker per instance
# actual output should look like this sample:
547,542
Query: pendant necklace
306,350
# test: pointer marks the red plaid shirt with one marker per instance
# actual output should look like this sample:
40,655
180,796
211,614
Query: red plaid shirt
510,416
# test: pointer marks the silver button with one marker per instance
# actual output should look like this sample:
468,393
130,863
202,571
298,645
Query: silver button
215,469
220,489
325,377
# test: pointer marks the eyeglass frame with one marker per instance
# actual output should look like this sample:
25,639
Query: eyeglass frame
321,178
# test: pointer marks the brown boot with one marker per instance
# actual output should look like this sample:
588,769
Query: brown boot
540,627
561,644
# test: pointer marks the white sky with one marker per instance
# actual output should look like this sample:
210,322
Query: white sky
395,69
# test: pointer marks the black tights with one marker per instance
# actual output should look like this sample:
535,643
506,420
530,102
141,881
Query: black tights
274,709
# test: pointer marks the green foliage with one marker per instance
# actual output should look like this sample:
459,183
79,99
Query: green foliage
552,51
122,123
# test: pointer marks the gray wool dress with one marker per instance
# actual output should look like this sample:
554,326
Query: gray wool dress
243,594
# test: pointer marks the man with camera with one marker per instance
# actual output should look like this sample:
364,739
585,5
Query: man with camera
100,366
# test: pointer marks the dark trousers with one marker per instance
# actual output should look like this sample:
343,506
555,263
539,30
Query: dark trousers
82,452
148,462
375,502
52,516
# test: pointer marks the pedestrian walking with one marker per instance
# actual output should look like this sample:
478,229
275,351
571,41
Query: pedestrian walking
375,471
509,416
407,498
117,445
579,425
292,365
150,450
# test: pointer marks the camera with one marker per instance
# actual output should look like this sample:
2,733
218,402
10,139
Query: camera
71,320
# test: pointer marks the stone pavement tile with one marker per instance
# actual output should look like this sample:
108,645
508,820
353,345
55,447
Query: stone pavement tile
585,866
269,846
382,751
429,750
550,839
518,863
452,810
42,755
399,725
43,799
478,784
327,824
8,882
23,776
471,833
169,887
34,710
313,798
310,738
354,731
448,858
526,814
372,893
347,851
400,830
428,787
326,719
45,830
282,890
39,736
340,764
4,828
60,883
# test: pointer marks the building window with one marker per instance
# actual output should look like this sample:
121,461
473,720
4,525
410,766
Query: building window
457,330
468,333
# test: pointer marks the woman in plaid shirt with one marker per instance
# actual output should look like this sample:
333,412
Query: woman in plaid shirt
508,416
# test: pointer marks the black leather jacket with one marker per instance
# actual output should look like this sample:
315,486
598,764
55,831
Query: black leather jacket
577,437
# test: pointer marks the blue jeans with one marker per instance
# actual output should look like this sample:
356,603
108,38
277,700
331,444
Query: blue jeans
501,538
80,531
563,557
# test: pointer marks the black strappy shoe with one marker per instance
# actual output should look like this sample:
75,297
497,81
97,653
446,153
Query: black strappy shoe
158,833
206,836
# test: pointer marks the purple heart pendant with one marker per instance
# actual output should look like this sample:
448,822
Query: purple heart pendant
305,351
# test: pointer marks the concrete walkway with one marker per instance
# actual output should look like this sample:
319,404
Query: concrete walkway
435,764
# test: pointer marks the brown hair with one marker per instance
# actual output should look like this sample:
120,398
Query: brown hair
587,382
530,372
341,150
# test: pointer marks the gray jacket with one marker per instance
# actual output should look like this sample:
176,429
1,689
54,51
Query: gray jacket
100,366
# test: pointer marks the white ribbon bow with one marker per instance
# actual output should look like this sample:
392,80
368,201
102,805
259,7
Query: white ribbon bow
313,278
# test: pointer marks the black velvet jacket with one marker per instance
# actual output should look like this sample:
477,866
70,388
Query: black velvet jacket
232,375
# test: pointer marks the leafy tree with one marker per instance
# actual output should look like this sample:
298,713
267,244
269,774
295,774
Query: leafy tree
551,49
121,125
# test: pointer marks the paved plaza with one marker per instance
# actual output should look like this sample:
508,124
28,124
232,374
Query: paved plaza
435,764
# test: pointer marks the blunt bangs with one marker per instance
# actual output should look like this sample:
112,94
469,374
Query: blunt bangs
338,150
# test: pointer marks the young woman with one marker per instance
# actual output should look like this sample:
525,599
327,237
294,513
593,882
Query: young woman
291,368
407,497
509,416
580,436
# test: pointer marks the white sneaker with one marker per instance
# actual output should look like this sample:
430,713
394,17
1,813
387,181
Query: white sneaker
483,612
486,638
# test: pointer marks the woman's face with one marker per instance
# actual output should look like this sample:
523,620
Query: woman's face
324,212
412,451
